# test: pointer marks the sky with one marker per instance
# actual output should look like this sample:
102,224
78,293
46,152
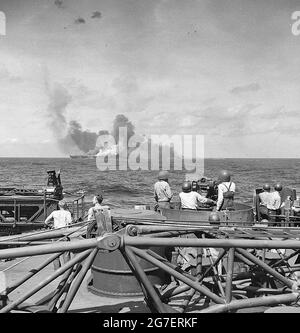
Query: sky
227,70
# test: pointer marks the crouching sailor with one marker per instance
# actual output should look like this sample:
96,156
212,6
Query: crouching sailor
226,191
190,199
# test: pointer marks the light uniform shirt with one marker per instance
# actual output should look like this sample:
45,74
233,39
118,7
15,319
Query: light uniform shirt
222,189
266,198
92,211
162,190
62,218
275,201
190,200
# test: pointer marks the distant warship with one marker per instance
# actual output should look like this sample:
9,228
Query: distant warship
82,156
106,151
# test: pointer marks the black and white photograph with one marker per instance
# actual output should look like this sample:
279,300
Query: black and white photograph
149,160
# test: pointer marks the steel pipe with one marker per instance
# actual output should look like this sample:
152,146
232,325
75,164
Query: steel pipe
215,277
230,263
49,248
147,229
167,234
76,283
66,288
31,273
35,236
252,302
145,281
285,259
225,243
42,284
29,243
175,291
266,267
62,286
177,275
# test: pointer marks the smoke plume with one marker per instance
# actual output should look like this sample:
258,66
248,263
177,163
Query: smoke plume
59,98
71,137
84,140
122,121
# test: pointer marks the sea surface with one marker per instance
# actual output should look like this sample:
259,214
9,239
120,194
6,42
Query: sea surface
129,188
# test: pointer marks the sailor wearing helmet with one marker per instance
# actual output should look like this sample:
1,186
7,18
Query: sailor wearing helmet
162,190
226,190
265,200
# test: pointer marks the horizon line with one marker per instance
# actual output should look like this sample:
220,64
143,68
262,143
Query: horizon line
66,157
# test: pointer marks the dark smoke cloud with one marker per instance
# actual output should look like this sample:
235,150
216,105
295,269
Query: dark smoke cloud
84,140
59,100
79,20
122,121
96,15
71,137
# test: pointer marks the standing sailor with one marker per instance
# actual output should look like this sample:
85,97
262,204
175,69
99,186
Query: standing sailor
61,218
162,190
190,200
97,201
98,224
226,190
275,202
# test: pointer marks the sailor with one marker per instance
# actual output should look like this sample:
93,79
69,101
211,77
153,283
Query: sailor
265,200
162,190
226,190
296,210
190,199
97,201
61,218
275,202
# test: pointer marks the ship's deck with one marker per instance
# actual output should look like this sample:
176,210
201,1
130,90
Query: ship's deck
84,301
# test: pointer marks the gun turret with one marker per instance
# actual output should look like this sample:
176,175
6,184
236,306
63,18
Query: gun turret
54,186
207,187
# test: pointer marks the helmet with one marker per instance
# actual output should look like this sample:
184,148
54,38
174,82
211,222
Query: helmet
278,187
214,218
224,176
267,187
186,187
163,175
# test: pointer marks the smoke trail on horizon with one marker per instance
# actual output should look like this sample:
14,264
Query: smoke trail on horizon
70,136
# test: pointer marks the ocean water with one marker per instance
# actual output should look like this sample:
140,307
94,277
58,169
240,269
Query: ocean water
129,188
